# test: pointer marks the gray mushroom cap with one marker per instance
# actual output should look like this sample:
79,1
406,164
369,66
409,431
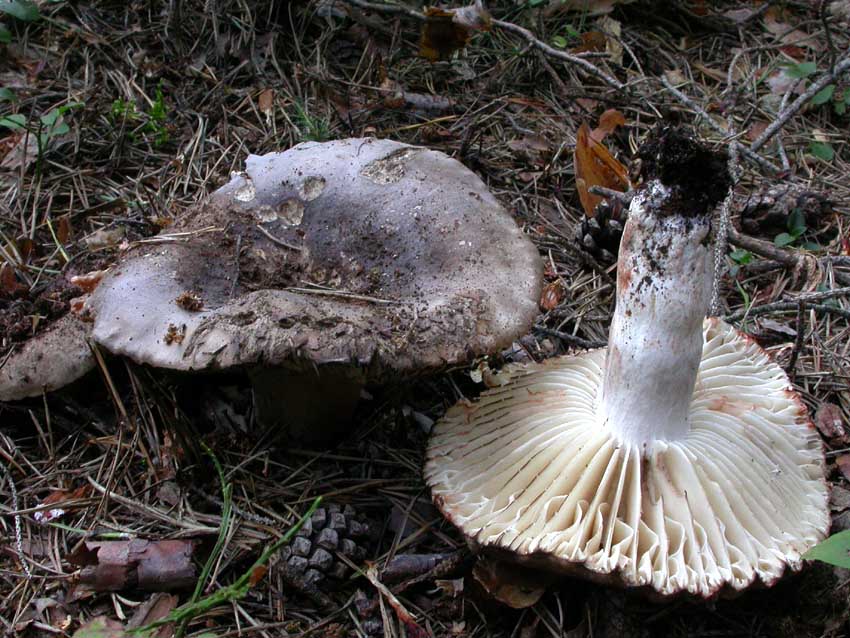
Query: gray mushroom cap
371,251
48,361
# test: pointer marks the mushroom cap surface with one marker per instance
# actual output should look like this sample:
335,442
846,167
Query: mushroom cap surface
529,470
394,257
48,361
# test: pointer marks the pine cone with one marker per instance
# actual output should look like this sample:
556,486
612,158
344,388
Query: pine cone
600,235
331,530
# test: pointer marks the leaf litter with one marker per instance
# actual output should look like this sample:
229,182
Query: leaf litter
257,79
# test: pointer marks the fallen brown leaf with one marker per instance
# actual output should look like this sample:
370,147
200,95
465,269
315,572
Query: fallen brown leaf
101,627
843,463
774,23
266,101
829,421
511,585
552,295
58,500
595,166
608,122
157,607
446,31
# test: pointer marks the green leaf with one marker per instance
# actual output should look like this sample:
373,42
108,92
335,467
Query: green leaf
6,94
16,121
5,35
811,245
20,9
822,150
535,3
559,41
824,95
835,550
784,239
802,70
796,223
741,256
840,107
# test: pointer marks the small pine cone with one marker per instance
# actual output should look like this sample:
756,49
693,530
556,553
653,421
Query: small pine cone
331,531
600,235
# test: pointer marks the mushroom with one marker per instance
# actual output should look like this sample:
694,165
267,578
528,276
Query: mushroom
322,268
680,459
51,360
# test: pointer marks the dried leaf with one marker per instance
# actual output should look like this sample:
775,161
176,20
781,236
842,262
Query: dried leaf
843,463
586,7
552,295
412,629
510,584
608,122
101,627
257,574
59,498
447,31
595,166
63,229
829,421
23,152
613,31
590,41
756,129
9,285
157,607
266,101
89,281
774,23
739,16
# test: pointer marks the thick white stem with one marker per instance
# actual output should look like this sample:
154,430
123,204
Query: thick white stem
655,345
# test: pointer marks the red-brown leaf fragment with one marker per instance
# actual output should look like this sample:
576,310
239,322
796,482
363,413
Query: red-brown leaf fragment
595,166
137,564
830,422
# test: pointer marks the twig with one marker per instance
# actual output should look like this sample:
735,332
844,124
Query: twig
767,249
572,339
279,242
749,153
785,306
791,369
560,55
610,193
797,104
507,26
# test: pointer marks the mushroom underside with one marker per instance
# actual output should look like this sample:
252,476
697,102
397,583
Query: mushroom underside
529,469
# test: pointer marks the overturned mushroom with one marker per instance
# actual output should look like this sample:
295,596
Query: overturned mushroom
48,361
322,268
679,460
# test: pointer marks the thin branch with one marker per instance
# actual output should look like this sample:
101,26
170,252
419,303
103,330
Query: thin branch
560,55
750,154
785,306
803,99
784,257
507,26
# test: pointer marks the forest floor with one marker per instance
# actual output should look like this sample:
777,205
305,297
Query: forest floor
116,118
